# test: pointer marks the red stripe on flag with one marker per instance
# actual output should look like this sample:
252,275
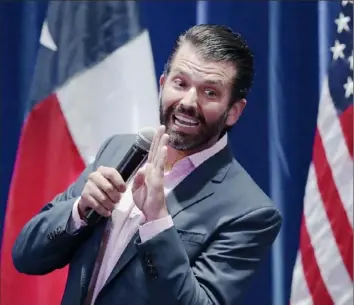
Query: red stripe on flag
315,284
346,121
337,216
47,162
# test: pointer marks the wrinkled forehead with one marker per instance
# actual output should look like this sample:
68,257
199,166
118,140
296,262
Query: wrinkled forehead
189,60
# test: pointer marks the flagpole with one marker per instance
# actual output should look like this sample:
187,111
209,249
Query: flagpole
202,12
323,41
276,155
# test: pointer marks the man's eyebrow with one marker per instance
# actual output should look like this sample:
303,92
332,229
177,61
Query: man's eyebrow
214,82
207,81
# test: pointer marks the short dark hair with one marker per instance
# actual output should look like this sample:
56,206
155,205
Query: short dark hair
220,43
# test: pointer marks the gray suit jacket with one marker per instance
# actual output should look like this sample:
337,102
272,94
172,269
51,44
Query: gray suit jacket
223,225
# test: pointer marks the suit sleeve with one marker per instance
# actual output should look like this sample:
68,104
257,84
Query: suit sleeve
221,272
46,242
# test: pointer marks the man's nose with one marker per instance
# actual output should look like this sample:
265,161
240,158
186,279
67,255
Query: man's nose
191,98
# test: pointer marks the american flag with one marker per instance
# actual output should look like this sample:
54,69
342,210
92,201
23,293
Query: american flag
323,272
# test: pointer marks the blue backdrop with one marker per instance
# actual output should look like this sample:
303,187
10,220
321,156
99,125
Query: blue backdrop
273,139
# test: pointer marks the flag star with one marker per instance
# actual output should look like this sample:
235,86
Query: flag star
348,86
350,59
342,23
46,38
337,50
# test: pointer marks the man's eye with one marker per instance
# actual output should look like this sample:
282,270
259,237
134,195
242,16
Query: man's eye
179,83
210,93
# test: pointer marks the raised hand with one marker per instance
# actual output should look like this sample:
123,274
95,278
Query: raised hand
148,188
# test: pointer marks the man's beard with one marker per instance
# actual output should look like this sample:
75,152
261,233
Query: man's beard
189,142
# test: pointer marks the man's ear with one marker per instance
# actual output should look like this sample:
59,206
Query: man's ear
235,112
162,80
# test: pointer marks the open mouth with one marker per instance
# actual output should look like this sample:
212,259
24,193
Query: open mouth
183,121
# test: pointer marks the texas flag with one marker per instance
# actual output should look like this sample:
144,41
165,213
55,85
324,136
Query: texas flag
94,77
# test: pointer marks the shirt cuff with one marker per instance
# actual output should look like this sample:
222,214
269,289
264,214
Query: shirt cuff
151,229
75,222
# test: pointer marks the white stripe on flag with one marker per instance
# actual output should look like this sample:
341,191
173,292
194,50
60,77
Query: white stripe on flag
300,294
336,149
328,257
118,95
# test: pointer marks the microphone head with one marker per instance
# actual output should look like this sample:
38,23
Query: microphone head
145,137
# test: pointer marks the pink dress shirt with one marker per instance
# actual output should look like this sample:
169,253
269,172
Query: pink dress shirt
127,218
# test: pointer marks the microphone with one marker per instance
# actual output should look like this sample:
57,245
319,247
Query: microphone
130,163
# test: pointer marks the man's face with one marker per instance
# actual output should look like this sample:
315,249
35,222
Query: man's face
195,98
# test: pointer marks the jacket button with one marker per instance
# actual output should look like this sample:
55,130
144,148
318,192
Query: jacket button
152,272
148,258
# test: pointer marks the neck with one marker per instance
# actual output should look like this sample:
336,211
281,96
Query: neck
174,155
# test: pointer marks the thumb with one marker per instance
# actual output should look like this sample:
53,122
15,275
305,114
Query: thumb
139,180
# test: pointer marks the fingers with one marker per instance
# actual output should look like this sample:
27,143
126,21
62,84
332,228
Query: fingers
158,151
161,155
114,177
139,180
98,198
155,143
161,161
91,203
102,191
163,142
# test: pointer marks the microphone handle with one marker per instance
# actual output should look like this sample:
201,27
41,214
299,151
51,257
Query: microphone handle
126,168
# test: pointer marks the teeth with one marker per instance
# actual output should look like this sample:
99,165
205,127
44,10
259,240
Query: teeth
185,120
178,123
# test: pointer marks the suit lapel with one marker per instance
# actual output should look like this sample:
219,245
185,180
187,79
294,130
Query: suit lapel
197,186
200,184
90,258
129,252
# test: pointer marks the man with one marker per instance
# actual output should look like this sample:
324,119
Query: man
192,226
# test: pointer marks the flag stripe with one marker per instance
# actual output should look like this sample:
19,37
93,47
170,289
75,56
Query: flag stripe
313,276
301,294
326,253
337,217
40,173
125,102
337,157
346,121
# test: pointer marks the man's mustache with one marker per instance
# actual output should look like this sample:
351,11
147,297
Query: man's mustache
191,112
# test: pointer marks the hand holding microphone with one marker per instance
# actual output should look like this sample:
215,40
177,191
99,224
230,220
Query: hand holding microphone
102,191
105,186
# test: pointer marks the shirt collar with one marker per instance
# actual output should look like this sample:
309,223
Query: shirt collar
201,156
